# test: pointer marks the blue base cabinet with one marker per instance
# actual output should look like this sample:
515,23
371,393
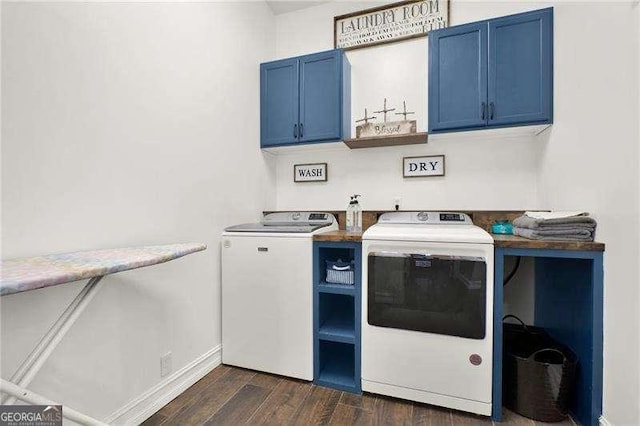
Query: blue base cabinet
336,319
569,306
490,74
305,99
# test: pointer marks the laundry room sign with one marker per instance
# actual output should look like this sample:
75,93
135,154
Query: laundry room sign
423,166
389,23
310,172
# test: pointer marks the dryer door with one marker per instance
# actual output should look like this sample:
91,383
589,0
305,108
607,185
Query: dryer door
440,294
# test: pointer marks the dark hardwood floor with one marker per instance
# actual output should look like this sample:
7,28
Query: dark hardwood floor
234,396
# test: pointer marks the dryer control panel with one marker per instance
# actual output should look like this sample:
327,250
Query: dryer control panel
452,217
426,218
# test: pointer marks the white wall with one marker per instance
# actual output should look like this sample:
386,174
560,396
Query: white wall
125,124
588,160
637,14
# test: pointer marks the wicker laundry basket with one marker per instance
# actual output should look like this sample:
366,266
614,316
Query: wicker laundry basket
538,373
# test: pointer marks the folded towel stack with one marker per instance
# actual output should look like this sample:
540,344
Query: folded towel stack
558,226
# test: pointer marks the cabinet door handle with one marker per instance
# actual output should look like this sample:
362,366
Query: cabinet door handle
295,130
301,127
483,110
492,108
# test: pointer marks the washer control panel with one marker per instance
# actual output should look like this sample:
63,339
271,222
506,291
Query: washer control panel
318,216
298,218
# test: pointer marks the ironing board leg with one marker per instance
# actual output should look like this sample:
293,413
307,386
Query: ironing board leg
30,367
25,395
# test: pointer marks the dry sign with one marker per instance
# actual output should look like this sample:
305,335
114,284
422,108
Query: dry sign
423,166
310,172
393,22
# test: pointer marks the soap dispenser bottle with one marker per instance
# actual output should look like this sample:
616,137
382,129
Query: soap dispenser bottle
354,215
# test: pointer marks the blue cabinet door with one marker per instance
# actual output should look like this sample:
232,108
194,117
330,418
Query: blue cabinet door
521,68
279,102
458,77
321,96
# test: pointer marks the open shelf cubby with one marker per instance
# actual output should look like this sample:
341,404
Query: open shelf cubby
337,365
333,254
336,319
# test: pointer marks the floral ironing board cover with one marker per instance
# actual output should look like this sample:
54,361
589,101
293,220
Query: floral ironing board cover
18,275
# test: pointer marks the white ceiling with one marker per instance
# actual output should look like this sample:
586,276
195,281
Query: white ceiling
285,6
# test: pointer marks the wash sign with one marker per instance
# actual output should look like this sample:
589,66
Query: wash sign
392,22
423,166
310,172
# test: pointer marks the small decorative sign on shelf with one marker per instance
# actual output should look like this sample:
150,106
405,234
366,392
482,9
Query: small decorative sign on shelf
316,172
386,128
432,165
389,23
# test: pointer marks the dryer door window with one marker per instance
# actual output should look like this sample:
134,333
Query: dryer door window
434,294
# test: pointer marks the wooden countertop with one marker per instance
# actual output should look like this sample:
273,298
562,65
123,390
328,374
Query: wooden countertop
501,241
340,236
512,241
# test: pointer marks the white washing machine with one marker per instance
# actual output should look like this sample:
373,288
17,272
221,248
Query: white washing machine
427,310
267,293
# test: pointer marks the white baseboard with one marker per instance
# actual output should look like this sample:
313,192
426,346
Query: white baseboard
144,406
605,422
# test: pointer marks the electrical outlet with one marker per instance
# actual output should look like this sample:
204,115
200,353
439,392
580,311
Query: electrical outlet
396,203
165,364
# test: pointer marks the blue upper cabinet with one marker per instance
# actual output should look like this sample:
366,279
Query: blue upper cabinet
305,99
279,102
458,77
514,65
320,94
521,68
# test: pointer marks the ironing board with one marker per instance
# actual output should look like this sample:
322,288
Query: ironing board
19,275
